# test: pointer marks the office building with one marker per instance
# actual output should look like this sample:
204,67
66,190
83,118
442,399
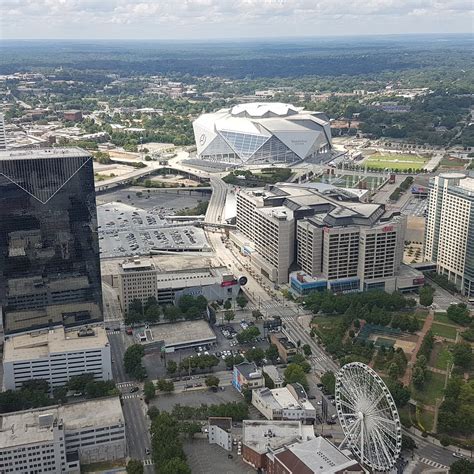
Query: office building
341,243
49,251
247,376
56,355
140,279
3,138
314,456
260,437
57,439
285,403
272,372
449,231
262,133
286,348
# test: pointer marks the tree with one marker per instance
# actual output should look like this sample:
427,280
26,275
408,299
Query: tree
426,295
393,371
165,385
175,466
272,353
408,443
229,316
302,362
295,374
171,367
228,304
149,390
418,377
462,466
190,428
257,314
462,355
132,361
328,379
135,466
248,334
212,381
459,313
241,300
256,355
307,350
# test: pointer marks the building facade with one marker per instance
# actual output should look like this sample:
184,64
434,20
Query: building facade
49,251
342,244
219,432
140,280
262,132
283,404
3,138
247,375
449,231
57,439
55,356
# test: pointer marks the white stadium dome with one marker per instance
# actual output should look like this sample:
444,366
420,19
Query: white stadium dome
262,132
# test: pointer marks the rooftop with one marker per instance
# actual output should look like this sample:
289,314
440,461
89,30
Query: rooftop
185,332
317,455
41,344
35,426
260,435
282,399
249,370
38,153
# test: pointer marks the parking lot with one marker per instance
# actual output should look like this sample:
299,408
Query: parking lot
126,231
156,366
206,458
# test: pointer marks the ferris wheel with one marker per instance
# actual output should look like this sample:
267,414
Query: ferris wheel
368,416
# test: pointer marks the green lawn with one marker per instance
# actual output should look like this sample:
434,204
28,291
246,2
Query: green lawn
396,161
327,320
444,357
426,419
433,389
442,317
443,331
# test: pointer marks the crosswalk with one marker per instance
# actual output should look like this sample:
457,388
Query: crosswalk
112,332
128,396
434,464
125,384
148,462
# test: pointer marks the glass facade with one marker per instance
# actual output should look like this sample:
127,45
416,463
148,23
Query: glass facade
49,251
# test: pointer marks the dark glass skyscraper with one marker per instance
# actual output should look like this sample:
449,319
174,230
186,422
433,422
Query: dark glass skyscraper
49,251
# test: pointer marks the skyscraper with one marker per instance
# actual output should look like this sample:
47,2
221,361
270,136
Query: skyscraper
449,234
3,139
49,251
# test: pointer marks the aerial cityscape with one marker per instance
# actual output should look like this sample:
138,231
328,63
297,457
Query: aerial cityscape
236,252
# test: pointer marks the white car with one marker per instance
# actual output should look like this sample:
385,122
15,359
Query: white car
458,455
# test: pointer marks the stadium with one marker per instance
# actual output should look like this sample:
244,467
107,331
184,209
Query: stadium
262,133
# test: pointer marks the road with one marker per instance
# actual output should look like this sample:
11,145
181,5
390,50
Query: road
112,310
133,406
291,314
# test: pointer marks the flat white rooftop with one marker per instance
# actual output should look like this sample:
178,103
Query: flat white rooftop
23,427
40,344
259,435
186,332
282,398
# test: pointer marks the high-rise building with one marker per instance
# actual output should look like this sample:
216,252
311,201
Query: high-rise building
449,232
3,138
340,243
49,250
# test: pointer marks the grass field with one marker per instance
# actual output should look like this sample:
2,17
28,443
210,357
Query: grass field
444,357
441,317
441,330
396,161
426,419
433,389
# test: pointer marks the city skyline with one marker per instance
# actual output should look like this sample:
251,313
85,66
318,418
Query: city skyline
163,19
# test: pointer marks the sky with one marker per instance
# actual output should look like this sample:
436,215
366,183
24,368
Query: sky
232,19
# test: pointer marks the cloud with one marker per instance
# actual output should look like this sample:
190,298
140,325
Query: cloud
183,18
